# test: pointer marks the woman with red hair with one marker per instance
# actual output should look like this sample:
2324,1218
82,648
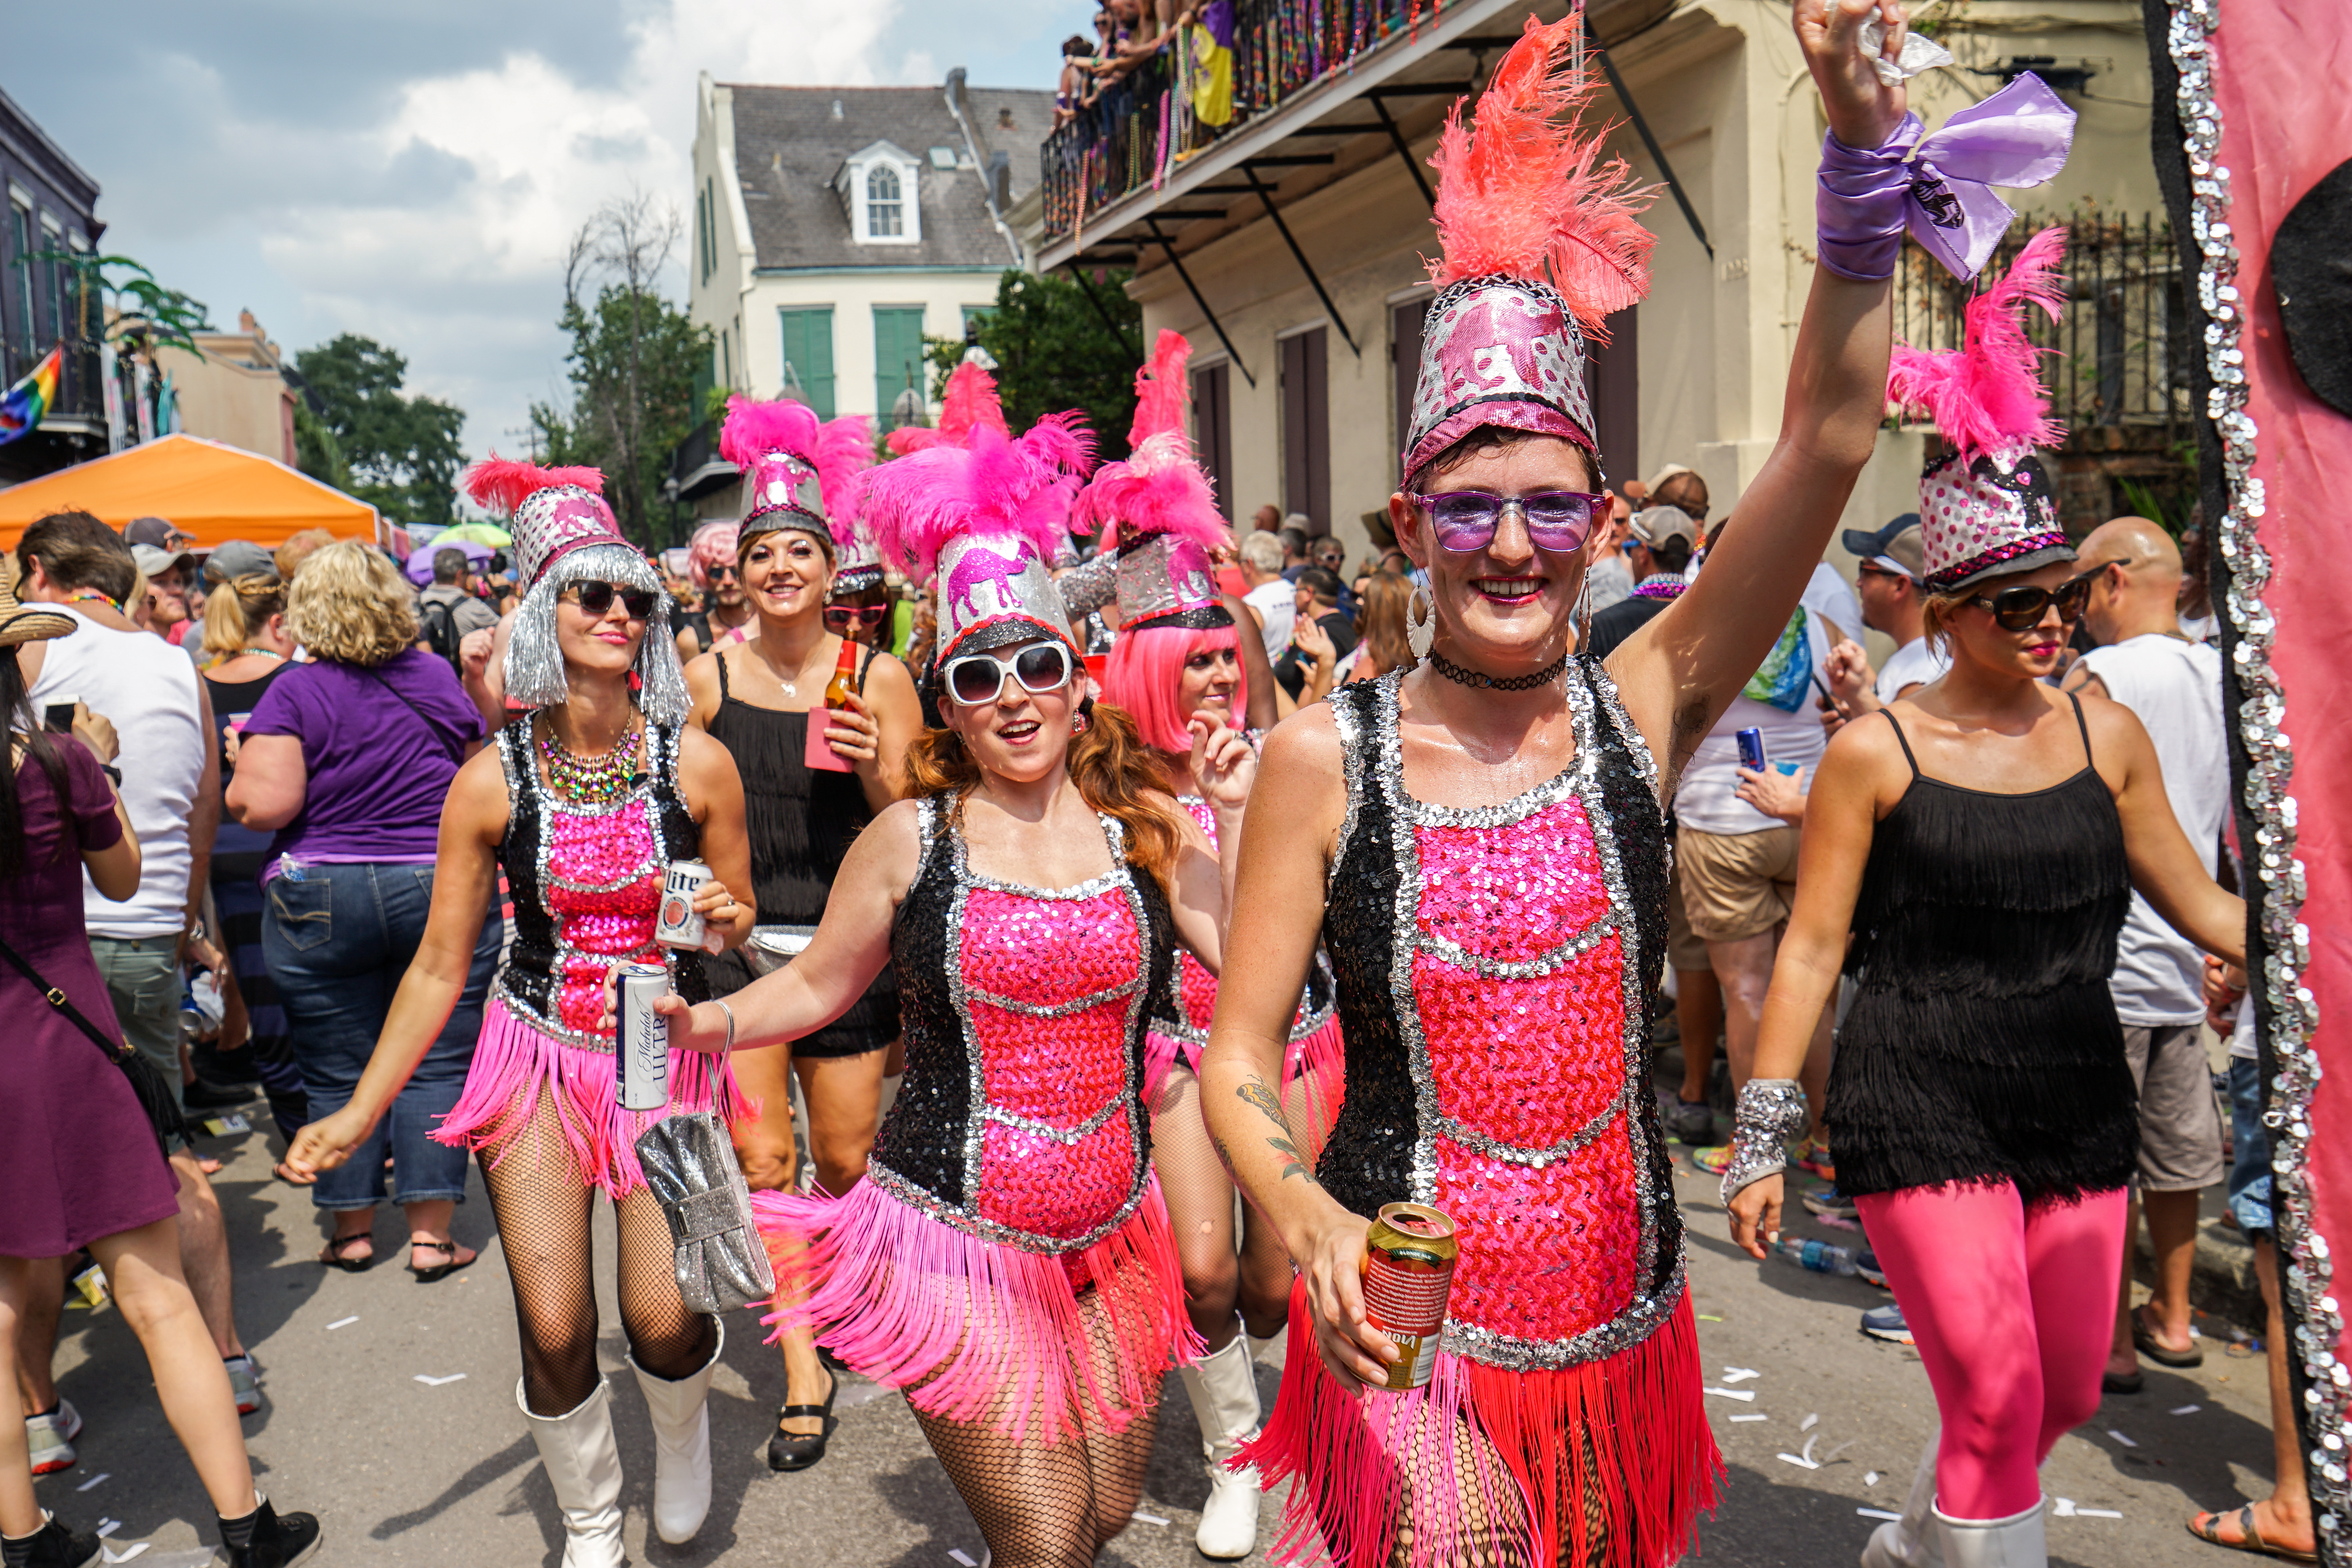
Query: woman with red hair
1176,669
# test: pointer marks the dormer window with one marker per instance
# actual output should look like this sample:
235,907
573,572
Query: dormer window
885,213
878,191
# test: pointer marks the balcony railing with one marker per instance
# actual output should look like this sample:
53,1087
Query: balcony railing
2122,344
81,390
1146,124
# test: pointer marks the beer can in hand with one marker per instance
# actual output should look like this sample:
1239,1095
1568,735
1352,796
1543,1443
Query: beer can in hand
1409,1259
641,1046
1751,750
680,923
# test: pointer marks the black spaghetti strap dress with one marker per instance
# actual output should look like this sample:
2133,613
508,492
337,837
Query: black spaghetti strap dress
801,821
1983,1046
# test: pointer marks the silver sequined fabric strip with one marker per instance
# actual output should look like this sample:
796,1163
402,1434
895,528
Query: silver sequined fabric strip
2262,715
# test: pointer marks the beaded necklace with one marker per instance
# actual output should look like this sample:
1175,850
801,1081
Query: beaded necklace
591,780
1455,672
1660,587
91,596
260,652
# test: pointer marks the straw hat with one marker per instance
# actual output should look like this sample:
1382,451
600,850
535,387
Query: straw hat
19,625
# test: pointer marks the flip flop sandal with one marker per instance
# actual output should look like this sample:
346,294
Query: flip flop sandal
2143,1341
442,1271
334,1257
2125,1382
2207,1527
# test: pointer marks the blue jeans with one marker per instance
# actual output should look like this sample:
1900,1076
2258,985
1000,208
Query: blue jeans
2250,1165
338,942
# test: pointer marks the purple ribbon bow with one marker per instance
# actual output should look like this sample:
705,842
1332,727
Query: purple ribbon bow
2019,136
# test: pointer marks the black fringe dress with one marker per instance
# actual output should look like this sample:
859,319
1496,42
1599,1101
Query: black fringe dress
1982,1046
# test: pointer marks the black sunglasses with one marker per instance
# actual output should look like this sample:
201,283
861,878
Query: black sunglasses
2020,609
595,597
978,678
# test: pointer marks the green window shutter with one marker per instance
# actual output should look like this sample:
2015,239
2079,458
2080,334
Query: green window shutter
977,314
897,357
808,357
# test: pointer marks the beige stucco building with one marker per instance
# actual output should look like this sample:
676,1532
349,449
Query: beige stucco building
1302,380
234,391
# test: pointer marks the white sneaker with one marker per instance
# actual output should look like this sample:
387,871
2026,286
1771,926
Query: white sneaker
50,1437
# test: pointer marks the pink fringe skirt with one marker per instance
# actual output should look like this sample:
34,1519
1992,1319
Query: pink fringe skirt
1618,1447
1313,1077
974,1330
515,1062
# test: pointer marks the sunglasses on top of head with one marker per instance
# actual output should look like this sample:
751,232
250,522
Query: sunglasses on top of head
1556,520
2020,609
977,679
595,597
840,618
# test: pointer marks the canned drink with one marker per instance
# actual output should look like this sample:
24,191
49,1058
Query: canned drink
1751,750
680,924
1408,1274
642,1043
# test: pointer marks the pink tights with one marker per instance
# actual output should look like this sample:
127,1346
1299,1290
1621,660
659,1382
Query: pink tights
2013,1306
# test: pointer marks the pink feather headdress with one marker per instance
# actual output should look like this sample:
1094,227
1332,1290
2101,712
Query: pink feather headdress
503,484
1987,395
970,403
1158,488
550,512
919,504
756,435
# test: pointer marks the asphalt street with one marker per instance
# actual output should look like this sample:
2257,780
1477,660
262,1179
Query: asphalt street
390,1414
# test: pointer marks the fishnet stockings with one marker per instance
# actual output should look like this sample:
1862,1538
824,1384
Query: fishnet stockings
1051,1506
1199,1193
543,1207
1489,1528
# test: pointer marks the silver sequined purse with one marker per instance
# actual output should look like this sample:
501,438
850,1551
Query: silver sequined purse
689,1164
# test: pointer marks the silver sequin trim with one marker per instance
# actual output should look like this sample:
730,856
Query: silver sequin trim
1581,779
2293,1014
1771,1111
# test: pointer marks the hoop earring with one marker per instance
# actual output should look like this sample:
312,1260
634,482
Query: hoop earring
1420,623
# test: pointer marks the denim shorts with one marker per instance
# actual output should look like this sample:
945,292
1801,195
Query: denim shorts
2250,1164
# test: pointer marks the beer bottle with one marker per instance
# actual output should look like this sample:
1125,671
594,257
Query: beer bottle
843,684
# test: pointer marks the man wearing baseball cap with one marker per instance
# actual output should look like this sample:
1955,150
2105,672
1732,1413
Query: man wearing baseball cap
1892,559
1659,541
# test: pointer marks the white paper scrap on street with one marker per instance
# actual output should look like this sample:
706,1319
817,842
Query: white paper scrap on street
1807,1422
1869,1479
1878,1513
1747,1396
957,1553
127,1553
1740,1374
342,1322
108,1527
2096,1513
437,1382
1147,1518
1747,1418
2187,1409
93,1480
2121,1438
1801,1462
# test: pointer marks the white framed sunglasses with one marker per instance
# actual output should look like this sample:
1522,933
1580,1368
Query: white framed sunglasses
976,679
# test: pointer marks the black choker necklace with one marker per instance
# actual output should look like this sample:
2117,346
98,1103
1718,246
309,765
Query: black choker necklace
1455,672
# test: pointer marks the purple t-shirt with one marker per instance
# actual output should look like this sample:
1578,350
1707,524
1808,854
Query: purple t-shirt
379,769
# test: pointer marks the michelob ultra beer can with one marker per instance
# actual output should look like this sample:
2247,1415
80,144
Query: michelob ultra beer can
1408,1275
641,1045
679,925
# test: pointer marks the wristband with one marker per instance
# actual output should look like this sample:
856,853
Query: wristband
1770,1112
1859,210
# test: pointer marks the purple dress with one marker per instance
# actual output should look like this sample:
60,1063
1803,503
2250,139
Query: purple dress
78,1158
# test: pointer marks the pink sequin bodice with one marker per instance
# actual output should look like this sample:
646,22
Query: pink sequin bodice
1518,975
603,888
1048,984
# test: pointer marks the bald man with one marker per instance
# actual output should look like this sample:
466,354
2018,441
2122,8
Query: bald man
2175,685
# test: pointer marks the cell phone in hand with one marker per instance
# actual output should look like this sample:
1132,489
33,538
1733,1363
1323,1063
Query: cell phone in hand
57,718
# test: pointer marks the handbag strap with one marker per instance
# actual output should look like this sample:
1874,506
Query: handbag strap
116,1053
430,723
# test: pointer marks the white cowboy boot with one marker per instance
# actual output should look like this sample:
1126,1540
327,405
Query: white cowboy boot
584,1468
2016,1542
1910,1543
1224,1392
681,1414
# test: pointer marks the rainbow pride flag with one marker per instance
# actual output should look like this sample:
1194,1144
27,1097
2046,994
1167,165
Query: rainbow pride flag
24,404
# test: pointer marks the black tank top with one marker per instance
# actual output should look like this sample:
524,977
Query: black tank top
801,820
1983,1044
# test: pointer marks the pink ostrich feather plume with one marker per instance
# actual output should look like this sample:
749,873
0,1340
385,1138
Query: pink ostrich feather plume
917,504
1527,193
970,403
503,484
1986,396
752,429
1158,489
844,451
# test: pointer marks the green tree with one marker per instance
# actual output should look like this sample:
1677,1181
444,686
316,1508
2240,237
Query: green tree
317,452
634,363
400,453
1054,351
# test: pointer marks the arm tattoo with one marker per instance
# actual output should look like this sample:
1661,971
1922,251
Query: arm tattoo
1269,1105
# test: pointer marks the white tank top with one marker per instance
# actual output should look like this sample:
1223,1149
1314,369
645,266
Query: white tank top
149,690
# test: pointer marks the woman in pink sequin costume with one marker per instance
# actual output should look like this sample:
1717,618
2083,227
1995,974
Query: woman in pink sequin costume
1480,846
1176,669
583,804
1007,1259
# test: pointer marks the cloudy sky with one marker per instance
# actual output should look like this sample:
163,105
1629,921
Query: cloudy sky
411,171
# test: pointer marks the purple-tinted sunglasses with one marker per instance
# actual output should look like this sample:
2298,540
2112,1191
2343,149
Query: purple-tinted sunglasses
1557,520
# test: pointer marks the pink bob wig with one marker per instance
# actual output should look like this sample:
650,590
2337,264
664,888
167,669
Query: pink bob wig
713,544
1147,666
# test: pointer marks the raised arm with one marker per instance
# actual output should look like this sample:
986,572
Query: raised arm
1680,672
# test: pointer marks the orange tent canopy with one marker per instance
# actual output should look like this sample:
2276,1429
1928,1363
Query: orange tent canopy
214,491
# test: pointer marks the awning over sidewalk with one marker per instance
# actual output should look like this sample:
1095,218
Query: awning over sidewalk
214,491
